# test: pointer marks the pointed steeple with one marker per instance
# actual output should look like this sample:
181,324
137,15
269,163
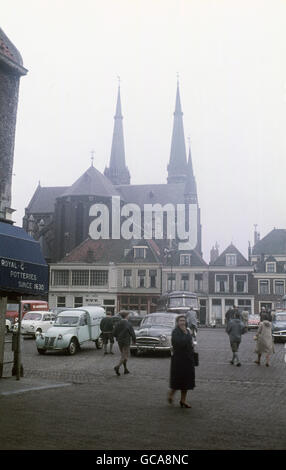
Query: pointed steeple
190,191
177,168
118,172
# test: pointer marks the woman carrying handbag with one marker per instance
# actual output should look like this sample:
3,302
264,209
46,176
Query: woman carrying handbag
182,373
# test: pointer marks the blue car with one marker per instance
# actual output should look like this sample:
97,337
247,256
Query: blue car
279,326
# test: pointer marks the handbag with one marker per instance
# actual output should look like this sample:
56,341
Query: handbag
196,357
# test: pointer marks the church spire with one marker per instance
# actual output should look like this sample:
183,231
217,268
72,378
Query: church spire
191,185
177,168
118,172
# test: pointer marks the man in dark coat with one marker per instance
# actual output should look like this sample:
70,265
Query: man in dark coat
124,333
235,328
106,326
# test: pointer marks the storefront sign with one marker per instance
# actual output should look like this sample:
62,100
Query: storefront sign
23,277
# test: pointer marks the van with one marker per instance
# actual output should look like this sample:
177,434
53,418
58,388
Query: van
12,311
72,328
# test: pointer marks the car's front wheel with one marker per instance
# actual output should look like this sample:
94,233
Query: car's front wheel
41,351
99,343
73,347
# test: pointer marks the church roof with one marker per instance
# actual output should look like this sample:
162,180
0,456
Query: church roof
274,243
141,194
44,199
92,183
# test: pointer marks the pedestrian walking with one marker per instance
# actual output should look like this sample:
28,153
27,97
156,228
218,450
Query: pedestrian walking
192,321
228,316
182,372
235,328
106,326
245,316
262,313
264,340
124,333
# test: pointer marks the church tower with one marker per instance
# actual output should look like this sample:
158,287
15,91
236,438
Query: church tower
177,168
117,172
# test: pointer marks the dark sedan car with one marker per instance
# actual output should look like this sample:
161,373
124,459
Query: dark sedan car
155,333
279,326
134,318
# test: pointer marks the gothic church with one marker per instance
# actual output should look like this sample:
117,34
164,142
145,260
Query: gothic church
59,217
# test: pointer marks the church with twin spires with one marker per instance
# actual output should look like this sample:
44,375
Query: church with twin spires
59,216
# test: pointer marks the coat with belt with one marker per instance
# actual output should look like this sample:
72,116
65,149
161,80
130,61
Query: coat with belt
264,338
182,376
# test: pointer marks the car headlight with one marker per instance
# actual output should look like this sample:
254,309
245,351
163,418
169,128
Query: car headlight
163,338
60,336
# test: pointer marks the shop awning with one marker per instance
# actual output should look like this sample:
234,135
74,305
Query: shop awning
23,269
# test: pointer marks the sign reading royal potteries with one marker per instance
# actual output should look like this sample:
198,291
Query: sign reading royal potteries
23,277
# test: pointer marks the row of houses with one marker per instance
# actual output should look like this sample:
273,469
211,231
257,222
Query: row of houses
124,274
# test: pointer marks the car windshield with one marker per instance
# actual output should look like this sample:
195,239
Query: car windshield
280,317
183,302
66,321
32,316
159,320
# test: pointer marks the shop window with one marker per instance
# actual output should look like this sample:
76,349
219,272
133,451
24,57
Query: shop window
78,302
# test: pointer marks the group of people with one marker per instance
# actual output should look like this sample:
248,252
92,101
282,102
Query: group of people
182,371
236,326
123,332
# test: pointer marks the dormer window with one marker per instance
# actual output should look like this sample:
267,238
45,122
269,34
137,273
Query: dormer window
230,260
140,251
271,267
185,260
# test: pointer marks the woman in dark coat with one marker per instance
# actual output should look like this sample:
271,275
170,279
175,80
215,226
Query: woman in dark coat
182,376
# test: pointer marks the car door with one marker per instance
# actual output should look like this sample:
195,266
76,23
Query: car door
83,329
47,322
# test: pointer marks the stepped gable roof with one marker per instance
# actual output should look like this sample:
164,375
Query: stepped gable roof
44,199
231,249
9,55
274,243
105,251
153,193
92,183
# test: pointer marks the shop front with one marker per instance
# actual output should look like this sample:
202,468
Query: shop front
23,272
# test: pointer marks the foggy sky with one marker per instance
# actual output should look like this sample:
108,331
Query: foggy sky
231,60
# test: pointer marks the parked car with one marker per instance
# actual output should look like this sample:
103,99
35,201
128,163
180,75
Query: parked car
253,321
35,322
134,317
8,326
57,310
279,326
155,333
72,328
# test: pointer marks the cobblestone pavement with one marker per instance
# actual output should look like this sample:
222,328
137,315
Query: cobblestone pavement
232,407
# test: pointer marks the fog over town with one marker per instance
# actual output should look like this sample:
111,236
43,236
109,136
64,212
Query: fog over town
230,60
